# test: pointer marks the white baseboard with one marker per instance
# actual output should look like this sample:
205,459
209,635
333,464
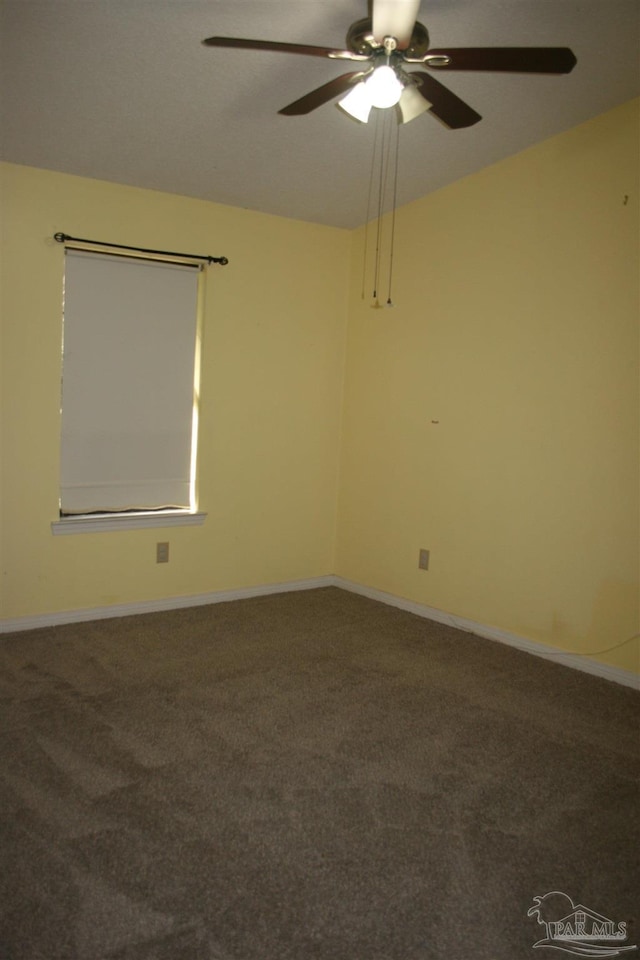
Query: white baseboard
154,606
576,661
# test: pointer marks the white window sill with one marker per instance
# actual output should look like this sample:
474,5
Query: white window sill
92,523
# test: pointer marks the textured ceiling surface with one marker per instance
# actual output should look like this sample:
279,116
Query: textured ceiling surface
124,90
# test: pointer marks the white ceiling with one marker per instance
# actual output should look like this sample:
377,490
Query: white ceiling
123,90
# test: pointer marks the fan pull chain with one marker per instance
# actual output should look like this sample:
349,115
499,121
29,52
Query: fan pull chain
368,217
381,185
384,167
393,214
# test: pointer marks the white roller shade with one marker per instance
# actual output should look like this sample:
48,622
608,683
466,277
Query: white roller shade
127,383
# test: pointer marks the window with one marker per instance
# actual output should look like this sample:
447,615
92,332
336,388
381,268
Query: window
129,388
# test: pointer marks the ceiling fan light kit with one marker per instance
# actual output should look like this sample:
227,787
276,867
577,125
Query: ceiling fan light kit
382,89
386,42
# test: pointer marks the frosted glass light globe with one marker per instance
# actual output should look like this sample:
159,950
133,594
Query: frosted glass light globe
357,103
383,87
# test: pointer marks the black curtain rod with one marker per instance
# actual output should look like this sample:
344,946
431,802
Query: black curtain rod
63,237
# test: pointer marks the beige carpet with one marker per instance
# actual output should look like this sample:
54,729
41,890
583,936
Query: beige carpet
310,776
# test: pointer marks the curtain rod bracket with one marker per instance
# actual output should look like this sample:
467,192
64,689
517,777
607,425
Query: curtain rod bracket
63,237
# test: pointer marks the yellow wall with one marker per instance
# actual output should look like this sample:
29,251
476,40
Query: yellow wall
271,392
516,327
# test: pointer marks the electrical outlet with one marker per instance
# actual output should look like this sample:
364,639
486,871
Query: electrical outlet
423,560
162,552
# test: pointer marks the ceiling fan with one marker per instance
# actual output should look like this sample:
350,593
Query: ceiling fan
384,43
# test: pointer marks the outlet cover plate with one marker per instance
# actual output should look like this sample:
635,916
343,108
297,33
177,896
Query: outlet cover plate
162,552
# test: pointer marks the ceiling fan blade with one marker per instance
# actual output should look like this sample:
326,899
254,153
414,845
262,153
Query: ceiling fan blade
448,107
509,59
322,94
237,43
394,18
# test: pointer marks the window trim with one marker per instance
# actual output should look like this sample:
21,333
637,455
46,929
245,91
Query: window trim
92,523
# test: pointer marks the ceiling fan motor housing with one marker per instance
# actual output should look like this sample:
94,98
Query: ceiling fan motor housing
360,40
